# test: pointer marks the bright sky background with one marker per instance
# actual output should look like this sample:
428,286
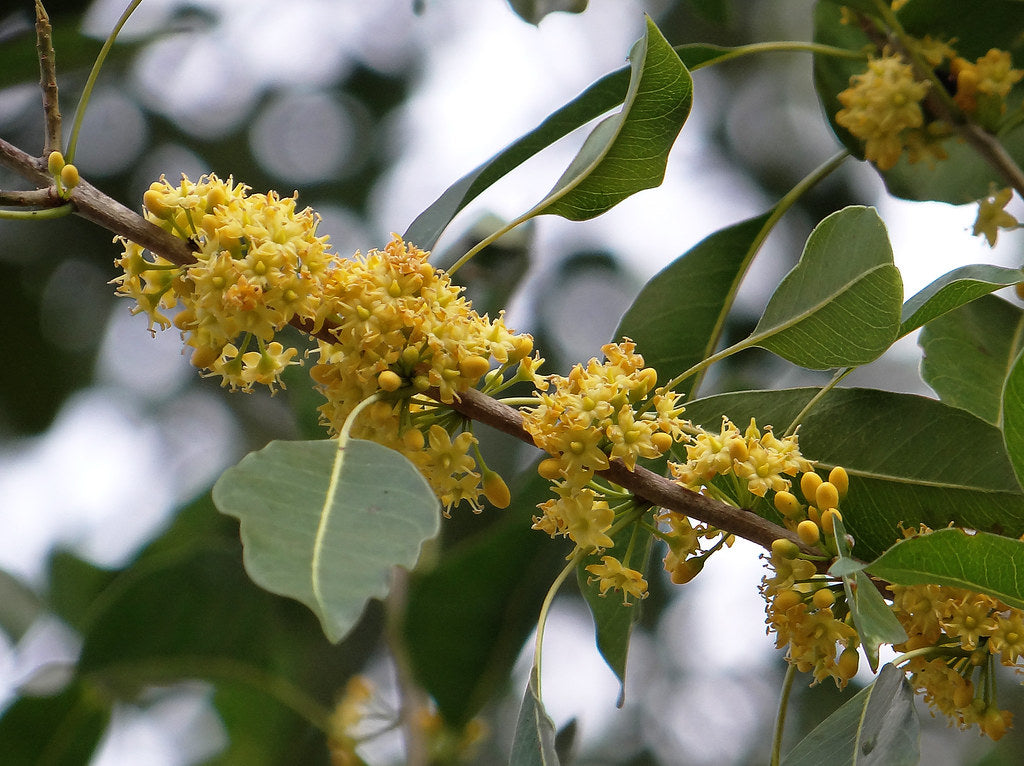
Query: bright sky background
124,452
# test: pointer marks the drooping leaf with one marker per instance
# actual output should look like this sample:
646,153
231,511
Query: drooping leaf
876,727
613,619
319,525
840,305
677,318
62,730
968,353
534,742
467,617
627,151
911,459
964,175
1013,416
872,617
979,562
954,289
535,10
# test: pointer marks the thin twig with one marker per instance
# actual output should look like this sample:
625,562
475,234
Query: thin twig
48,80
35,198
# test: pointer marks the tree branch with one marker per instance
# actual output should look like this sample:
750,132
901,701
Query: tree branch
95,206
48,80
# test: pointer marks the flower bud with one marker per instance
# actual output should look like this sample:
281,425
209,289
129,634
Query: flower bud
496,490
828,520
550,468
826,496
787,504
413,440
474,367
824,598
848,663
808,532
838,478
661,441
809,484
687,570
55,163
389,380
786,599
69,177
784,548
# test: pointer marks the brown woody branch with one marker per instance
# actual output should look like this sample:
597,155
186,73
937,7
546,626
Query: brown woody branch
93,205
48,81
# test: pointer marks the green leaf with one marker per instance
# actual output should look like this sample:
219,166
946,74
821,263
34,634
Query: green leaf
463,649
876,727
968,353
872,617
674,333
534,742
319,525
840,305
613,619
603,95
62,730
627,151
1013,417
964,176
954,289
535,10
979,562
911,459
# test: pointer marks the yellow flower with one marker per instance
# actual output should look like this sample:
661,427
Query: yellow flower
611,574
992,217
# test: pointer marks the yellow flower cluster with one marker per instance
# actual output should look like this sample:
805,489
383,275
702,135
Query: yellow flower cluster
809,616
762,461
969,631
386,322
256,268
882,107
984,83
599,412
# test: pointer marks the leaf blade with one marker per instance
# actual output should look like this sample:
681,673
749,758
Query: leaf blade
278,494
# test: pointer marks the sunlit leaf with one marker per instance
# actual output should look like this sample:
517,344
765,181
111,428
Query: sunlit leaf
677,318
954,289
534,742
979,562
840,304
876,727
968,353
319,525
911,459
613,619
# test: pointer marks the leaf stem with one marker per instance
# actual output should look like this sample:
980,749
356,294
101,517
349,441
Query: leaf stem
840,374
780,718
37,215
545,609
83,101
775,46
490,239
806,184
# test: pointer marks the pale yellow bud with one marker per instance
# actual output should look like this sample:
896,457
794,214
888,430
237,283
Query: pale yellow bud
785,548
496,490
828,520
550,468
848,663
785,600
55,163
474,367
826,496
809,484
413,440
824,598
787,504
69,176
808,532
661,441
840,480
389,380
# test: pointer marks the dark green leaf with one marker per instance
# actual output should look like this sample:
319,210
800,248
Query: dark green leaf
627,151
62,730
613,619
978,562
318,524
911,460
1013,417
675,325
968,353
954,289
534,742
74,585
876,727
462,648
535,10
840,305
